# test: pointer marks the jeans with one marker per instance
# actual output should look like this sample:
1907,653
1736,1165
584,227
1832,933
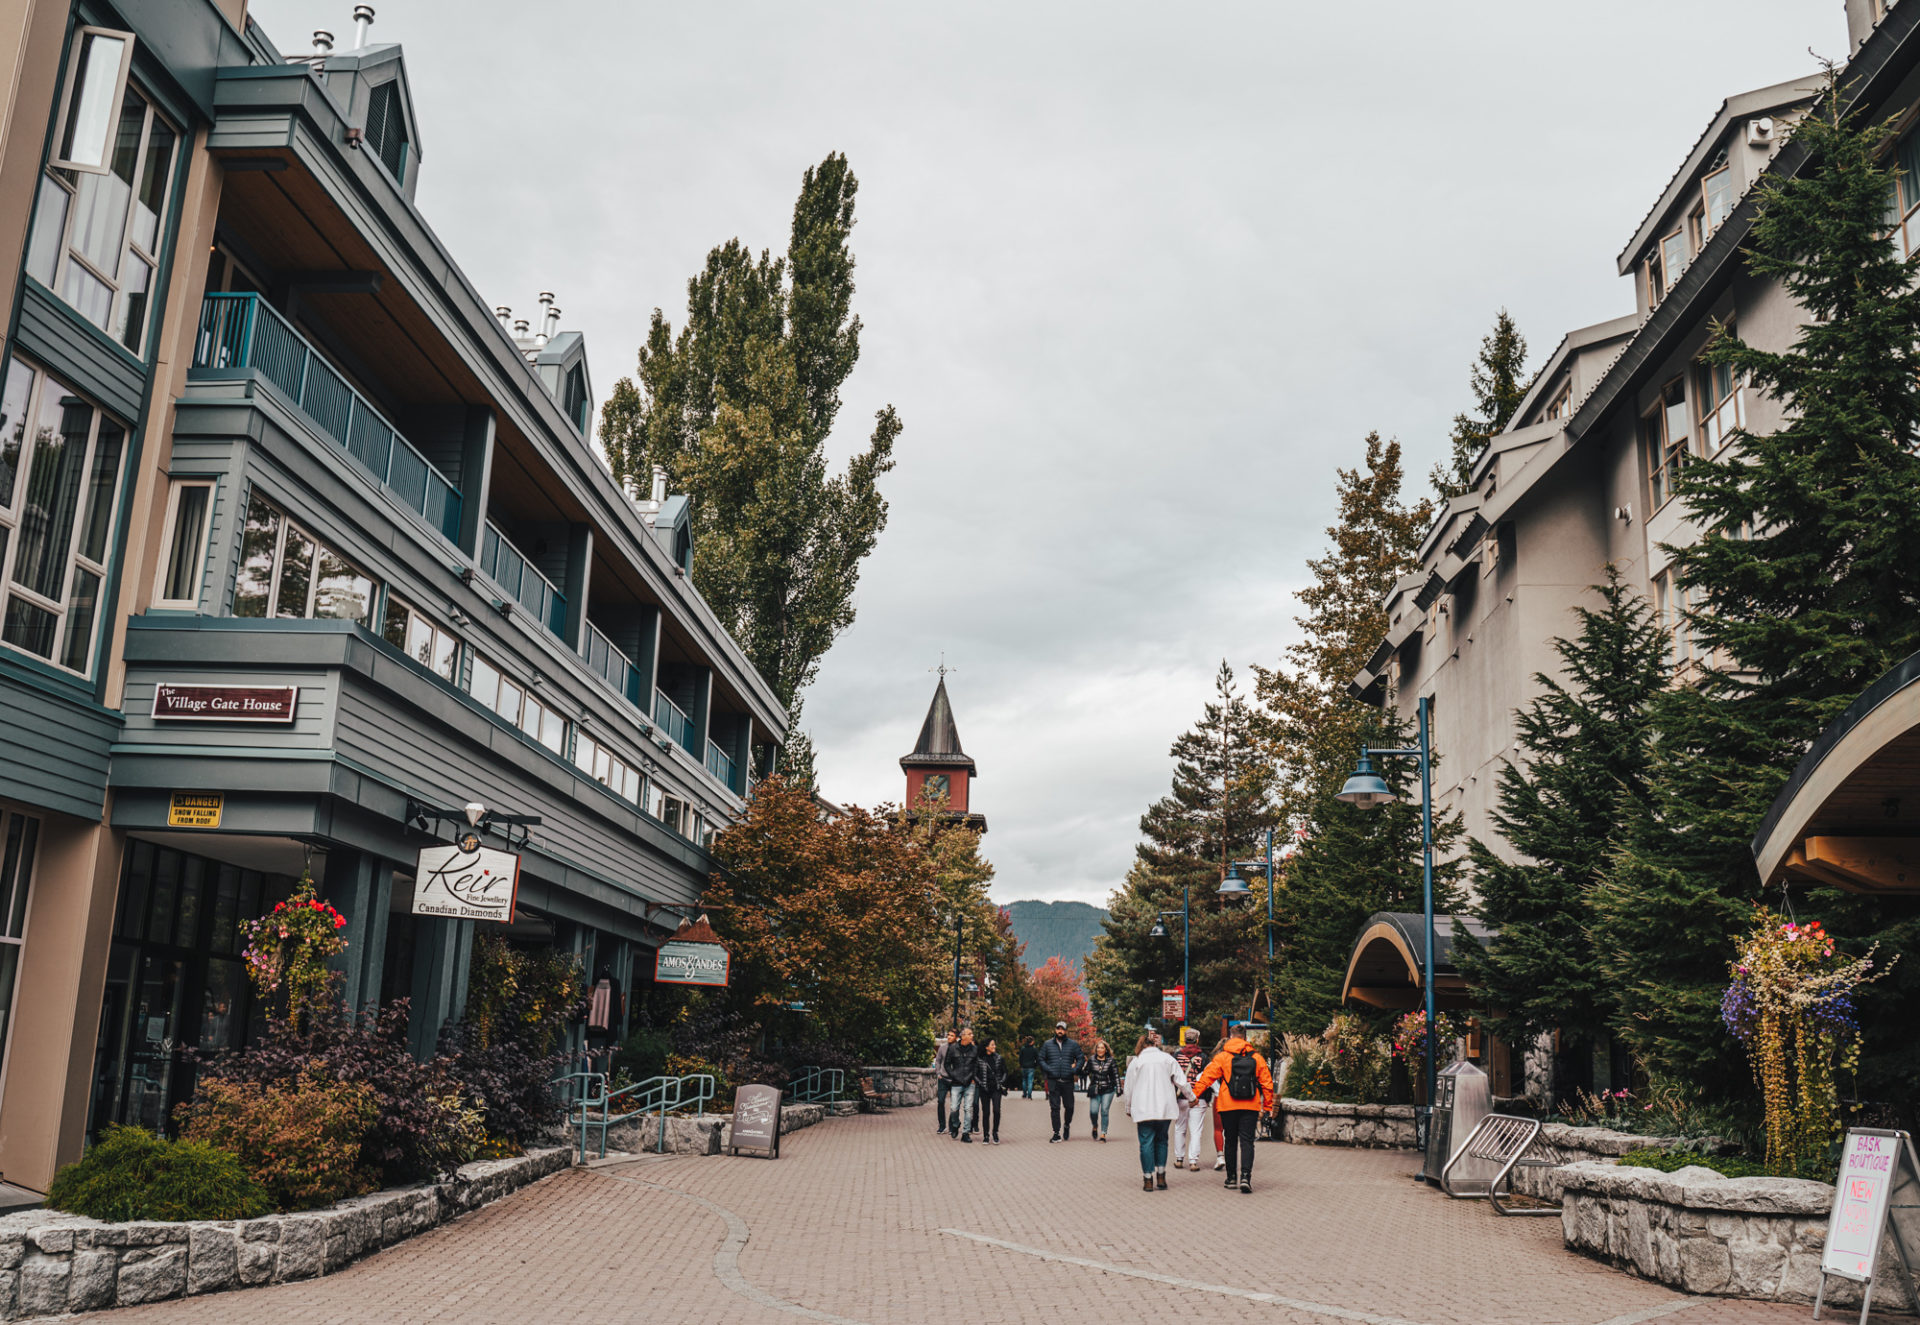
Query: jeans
990,1117
1153,1144
1060,1097
1026,1084
960,1114
1187,1130
1099,1111
1239,1125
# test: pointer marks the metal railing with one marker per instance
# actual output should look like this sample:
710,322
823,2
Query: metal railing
816,1084
508,567
720,764
661,1095
673,720
605,660
244,331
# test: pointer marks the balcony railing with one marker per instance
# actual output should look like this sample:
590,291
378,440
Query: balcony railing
244,331
720,764
606,661
677,725
503,563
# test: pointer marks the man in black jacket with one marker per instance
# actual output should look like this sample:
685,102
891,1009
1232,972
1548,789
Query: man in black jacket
958,1069
1029,1061
1060,1062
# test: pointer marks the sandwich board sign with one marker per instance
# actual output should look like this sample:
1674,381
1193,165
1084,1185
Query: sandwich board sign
1878,1193
756,1120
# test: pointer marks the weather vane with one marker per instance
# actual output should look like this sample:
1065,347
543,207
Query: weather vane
943,669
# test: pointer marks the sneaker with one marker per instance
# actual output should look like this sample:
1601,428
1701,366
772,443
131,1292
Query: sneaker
967,1137
1066,1134
1052,1139
1100,1138
1179,1163
1219,1162
1160,1179
1231,1182
1246,1186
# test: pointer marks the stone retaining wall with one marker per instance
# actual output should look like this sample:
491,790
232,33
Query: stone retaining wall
902,1087
696,1134
1577,1145
1702,1233
1366,1126
52,1263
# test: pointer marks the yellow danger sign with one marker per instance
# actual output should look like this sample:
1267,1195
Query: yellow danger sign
194,809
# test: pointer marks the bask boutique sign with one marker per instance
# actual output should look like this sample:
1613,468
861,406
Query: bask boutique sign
693,956
466,881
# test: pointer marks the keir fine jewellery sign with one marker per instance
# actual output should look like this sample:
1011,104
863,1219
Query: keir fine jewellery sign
173,702
466,881
693,956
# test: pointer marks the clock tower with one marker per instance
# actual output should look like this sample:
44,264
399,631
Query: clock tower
939,765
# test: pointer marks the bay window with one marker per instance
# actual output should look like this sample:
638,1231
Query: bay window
518,705
60,461
421,639
287,572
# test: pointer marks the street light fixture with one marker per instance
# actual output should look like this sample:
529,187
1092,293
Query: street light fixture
1367,789
1233,887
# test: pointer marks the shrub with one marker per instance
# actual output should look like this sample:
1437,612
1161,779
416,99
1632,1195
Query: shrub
301,1141
524,997
1671,1161
132,1174
643,1054
1310,1071
509,1086
685,1065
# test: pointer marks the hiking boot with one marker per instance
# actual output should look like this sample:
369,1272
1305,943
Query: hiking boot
1160,1179
1146,1184
1246,1186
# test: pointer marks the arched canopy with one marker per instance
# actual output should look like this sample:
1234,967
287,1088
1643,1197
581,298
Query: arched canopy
1850,815
1387,966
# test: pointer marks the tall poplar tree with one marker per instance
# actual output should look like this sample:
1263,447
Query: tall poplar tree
1499,382
1806,589
737,406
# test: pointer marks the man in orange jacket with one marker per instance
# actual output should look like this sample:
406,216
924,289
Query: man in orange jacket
1246,1092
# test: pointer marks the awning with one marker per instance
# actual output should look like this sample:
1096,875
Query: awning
1387,968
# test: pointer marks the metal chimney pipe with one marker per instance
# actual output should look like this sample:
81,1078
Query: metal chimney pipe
659,483
553,322
362,20
505,314
519,328
322,43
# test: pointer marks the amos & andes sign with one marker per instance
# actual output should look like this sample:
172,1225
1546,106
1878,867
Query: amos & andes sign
694,955
174,702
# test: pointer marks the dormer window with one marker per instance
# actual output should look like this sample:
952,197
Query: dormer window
1716,202
1665,262
683,547
573,399
387,129
1562,403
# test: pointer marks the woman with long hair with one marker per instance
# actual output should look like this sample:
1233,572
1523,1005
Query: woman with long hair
1103,1082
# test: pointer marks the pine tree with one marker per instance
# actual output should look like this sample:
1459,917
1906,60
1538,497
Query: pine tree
1217,811
1499,382
1563,811
738,407
1806,590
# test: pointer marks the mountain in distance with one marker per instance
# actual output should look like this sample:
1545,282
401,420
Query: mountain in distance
1056,929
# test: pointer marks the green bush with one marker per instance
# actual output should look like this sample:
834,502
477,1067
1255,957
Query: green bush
132,1174
300,1141
1671,1161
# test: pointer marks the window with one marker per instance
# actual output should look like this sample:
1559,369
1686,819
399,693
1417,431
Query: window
655,802
938,784
1667,260
1665,430
606,767
185,539
59,485
1717,388
95,79
387,129
97,228
422,640
518,705
20,836
1673,603
287,572
1716,194
673,813
1903,217
1562,403
574,398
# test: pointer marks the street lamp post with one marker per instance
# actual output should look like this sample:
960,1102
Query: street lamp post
959,928
1367,789
1159,931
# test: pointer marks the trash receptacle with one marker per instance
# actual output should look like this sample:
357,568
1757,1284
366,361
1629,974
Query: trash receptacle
1462,1097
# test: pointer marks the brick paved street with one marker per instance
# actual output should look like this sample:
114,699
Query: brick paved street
875,1219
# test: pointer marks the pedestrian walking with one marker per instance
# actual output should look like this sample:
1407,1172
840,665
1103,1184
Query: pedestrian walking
963,1057
1155,1085
1029,1061
1192,1122
991,1076
1060,1062
1103,1079
1246,1092
940,1048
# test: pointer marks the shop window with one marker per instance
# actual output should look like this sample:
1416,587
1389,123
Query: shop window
1664,430
287,572
98,221
59,488
18,841
518,705
421,639
607,768
189,507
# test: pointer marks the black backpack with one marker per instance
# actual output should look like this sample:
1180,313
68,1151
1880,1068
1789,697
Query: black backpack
1243,1081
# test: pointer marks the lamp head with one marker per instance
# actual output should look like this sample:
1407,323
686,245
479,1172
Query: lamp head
1233,887
1366,788
1159,931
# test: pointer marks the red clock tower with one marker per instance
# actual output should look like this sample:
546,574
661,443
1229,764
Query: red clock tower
938,764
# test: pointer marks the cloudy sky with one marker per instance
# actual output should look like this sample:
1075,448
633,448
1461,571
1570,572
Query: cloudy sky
1138,278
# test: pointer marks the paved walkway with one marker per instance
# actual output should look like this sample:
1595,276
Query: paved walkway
875,1219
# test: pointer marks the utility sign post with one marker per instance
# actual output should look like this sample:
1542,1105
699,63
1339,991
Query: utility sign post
1878,1193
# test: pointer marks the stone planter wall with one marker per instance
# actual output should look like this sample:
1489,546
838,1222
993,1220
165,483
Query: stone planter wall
696,1134
1582,1144
1702,1233
902,1087
52,1263
1366,1126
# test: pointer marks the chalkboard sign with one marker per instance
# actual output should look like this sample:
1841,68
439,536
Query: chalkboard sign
1878,1192
756,1120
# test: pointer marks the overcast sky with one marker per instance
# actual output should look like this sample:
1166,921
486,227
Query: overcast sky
1137,277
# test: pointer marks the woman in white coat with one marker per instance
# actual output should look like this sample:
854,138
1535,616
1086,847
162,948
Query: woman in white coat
1155,1086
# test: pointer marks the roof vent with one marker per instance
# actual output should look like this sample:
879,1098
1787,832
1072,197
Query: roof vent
505,314
362,20
1760,132
547,311
322,43
519,328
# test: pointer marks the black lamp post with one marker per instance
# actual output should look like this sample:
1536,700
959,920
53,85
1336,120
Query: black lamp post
1159,931
1367,789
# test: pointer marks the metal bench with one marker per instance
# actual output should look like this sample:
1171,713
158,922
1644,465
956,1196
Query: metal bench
1509,1142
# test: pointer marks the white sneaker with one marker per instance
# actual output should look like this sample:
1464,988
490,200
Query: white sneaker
1219,1162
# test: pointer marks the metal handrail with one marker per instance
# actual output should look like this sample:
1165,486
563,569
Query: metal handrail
815,1084
508,567
244,331
662,1095
674,720
579,1103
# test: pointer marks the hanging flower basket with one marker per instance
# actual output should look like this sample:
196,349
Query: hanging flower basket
289,948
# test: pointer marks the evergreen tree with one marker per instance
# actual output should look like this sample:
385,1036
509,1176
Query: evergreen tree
1805,590
1499,382
738,407
1563,810
1219,807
